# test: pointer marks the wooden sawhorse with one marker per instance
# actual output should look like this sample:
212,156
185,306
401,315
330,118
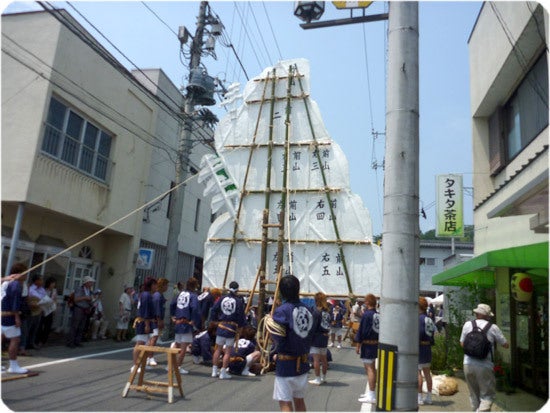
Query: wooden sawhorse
155,386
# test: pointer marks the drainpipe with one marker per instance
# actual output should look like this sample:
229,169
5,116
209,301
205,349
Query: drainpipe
15,237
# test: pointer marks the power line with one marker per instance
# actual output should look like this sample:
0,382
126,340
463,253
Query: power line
248,36
260,32
83,36
520,57
158,17
33,67
272,32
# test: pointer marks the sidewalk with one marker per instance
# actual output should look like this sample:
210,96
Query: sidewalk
519,401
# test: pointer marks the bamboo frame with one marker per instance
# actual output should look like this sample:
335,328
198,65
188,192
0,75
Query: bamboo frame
293,240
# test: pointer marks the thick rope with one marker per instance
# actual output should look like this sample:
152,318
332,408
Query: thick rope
89,237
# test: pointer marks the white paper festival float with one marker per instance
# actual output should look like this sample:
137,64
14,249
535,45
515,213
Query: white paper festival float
275,155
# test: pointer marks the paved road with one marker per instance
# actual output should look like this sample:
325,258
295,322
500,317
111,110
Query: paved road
92,379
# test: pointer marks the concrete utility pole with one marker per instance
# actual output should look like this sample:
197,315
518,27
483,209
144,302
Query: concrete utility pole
400,250
184,150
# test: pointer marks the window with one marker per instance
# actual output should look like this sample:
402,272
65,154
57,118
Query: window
513,126
197,214
75,141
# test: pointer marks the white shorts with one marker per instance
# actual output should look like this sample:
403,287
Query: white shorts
288,388
183,338
424,366
318,350
11,331
229,342
143,337
337,331
155,332
368,361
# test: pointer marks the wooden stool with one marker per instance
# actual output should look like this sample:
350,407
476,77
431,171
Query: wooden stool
155,386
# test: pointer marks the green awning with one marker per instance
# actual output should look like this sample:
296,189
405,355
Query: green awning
480,270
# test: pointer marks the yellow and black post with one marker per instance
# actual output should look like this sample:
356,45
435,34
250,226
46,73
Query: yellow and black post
385,382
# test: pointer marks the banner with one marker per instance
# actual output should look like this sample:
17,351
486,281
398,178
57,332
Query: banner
449,206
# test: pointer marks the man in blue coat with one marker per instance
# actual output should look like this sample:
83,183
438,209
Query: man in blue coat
292,334
229,313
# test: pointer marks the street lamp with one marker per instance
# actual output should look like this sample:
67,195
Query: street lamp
309,10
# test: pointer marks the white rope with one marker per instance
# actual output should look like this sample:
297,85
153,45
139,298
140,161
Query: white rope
108,226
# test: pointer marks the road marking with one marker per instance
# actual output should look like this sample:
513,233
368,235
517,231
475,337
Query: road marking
85,356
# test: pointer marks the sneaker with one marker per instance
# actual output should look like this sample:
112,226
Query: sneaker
151,361
215,371
317,381
339,346
196,360
331,344
367,399
420,401
133,367
428,399
183,371
323,379
17,370
225,375
248,373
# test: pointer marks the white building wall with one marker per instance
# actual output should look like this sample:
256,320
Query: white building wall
61,202
496,72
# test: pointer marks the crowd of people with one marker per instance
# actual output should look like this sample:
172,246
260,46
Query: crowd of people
220,330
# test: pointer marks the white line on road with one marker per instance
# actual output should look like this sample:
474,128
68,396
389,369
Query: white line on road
85,356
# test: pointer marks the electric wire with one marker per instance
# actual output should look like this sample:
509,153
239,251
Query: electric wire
537,23
106,227
245,31
270,61
158,17
272,31
83,36
111,111
520,56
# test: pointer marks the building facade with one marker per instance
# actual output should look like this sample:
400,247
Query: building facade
433,256
85,146
509,104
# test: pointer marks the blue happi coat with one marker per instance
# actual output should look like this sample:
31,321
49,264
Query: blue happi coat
229,312
11,302
321,328
293,348
237,361
185,307
146,311
369,327
202,346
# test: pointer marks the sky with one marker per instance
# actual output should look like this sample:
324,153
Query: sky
348,74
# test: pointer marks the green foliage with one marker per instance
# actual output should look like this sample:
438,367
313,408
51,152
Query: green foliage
447,353
468,234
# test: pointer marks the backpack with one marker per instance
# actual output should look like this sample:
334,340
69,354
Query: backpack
476,344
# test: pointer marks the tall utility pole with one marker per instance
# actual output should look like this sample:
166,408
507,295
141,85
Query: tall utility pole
184,150
400,251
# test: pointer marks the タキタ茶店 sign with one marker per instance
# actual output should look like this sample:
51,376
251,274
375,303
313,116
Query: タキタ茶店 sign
449,203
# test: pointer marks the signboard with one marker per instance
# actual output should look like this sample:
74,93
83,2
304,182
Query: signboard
351,4
449,204
145,259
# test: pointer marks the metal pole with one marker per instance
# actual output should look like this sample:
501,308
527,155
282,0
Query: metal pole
400,251
15,237
182,161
